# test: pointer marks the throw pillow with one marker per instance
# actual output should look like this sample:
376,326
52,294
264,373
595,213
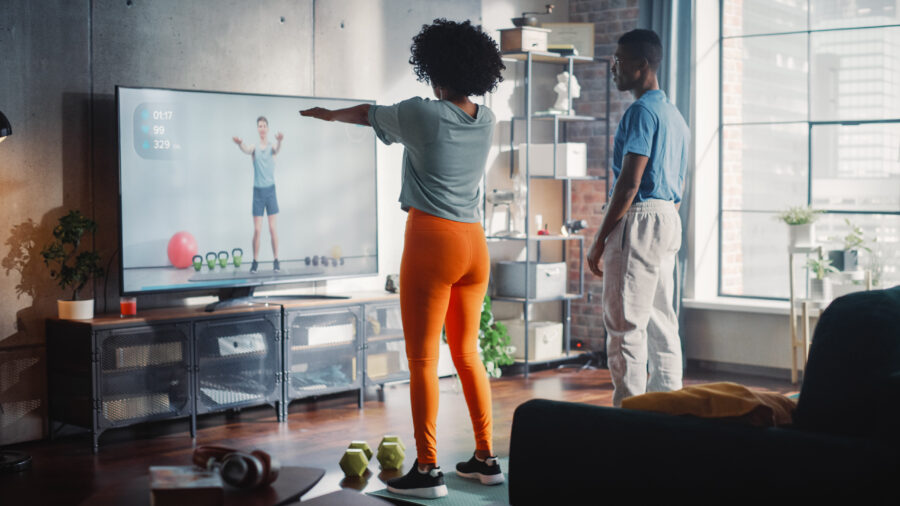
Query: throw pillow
723,400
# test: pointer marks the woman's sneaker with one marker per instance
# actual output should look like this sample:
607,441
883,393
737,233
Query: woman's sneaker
427,485
487,471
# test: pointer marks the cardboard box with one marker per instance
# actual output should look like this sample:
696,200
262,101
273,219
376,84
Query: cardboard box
383,364
580,35
546,280
571,159
544,339
524,38
331,334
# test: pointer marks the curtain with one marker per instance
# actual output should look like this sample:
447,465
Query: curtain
672,21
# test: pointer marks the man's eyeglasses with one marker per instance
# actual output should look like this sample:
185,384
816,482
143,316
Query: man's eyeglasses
618,61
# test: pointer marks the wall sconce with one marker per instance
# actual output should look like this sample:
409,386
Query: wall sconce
5,128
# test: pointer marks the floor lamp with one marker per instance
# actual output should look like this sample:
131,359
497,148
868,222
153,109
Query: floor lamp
11,461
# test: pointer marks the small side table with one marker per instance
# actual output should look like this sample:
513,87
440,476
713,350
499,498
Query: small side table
808,308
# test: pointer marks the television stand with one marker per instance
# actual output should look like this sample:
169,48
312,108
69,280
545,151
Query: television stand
232,297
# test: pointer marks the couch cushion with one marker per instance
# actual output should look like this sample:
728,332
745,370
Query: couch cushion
719,400
850,384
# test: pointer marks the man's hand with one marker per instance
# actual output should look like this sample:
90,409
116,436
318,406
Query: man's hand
595,257
237,140
319,113
279,136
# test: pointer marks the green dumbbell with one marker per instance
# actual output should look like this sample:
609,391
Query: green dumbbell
354,462
211,262
364,446
223,258
390,438
237,254
390,455
198,262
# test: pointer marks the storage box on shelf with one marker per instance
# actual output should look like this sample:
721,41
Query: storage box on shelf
546,280
545,339
570,159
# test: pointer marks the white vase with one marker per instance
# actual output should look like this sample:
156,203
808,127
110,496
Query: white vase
820,290
75,309
802,235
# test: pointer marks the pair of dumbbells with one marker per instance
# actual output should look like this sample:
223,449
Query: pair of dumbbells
390,455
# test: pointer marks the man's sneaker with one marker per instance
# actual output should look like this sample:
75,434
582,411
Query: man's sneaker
254,266
487,471
428,485
276,266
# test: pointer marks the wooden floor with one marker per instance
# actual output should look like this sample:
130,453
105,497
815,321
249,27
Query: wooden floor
65,471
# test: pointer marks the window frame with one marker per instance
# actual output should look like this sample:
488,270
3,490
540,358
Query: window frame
810,126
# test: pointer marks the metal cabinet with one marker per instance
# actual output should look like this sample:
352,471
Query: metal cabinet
238,363
385,350
322,352
182,362
101,379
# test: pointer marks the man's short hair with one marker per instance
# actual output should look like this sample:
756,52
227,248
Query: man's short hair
643,44
262,118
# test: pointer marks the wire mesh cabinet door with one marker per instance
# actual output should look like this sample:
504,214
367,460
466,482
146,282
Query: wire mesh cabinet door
143,374
323,351
385,348
238,362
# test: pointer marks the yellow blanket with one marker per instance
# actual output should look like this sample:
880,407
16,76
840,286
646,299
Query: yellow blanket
719,400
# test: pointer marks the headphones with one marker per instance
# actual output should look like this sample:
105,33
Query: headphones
242,470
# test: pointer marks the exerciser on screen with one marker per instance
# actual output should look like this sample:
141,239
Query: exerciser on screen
231,190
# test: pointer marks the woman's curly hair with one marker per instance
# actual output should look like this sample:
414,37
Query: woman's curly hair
457,56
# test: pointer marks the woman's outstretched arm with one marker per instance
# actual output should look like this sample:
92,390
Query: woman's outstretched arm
357,115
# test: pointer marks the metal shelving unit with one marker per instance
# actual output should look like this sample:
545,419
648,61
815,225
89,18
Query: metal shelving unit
560,131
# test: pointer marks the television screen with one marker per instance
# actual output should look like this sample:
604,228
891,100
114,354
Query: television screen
211,181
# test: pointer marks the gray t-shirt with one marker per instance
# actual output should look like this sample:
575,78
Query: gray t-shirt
264,166
445,155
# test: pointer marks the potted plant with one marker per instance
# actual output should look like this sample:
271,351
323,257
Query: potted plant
820,285
801,221
70,267
493,341
853,242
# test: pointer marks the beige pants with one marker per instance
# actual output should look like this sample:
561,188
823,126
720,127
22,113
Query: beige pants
638,291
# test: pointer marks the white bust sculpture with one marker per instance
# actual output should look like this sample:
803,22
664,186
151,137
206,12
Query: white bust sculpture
562,92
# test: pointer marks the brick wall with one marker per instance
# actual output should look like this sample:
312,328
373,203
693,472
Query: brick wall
611,19
732,150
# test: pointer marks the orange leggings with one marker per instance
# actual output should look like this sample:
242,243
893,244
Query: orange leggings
443,278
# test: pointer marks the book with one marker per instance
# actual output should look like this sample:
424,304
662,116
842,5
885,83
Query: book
185,486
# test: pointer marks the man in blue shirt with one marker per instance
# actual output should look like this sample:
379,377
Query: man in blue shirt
635,249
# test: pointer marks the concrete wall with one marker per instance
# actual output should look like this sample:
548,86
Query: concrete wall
62,61
45,87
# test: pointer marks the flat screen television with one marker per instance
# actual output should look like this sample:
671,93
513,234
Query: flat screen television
197,181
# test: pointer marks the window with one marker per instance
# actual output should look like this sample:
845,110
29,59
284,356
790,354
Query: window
810,115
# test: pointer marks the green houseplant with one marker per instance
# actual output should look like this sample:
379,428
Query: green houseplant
71,267
820,285
801,221
853,243
493,341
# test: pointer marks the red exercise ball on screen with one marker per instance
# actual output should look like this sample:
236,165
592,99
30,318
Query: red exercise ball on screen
182,248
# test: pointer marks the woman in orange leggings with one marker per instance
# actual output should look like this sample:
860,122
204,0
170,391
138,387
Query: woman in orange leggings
445,266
